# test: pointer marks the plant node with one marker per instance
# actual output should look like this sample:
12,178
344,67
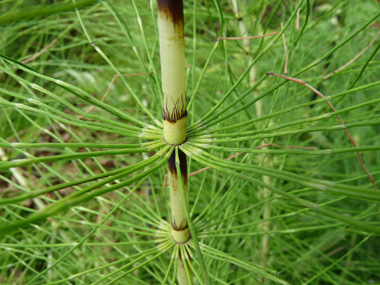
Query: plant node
181,236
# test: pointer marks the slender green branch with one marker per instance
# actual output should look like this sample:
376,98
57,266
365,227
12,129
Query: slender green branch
75,199
349,220
112,176
4,165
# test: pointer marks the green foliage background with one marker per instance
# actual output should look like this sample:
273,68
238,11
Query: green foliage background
304,212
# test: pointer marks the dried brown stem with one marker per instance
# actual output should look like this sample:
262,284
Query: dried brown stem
335,251
110,86
352,60
246,38
40,52
286,51
299,81
113,81
298,20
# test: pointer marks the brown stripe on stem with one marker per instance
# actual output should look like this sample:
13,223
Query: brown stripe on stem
174,116
173,9
181,227
178,112
178,223
182,164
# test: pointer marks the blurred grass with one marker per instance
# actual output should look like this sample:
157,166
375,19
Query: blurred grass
302,245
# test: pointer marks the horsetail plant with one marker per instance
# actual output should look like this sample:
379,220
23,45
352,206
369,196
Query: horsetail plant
174,114
266,183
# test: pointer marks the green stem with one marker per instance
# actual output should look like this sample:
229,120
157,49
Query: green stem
172,53
184,196
174,113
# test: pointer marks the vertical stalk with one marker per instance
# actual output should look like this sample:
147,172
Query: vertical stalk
172,53
180,228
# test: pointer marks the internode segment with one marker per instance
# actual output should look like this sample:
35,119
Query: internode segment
174,114
172,53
